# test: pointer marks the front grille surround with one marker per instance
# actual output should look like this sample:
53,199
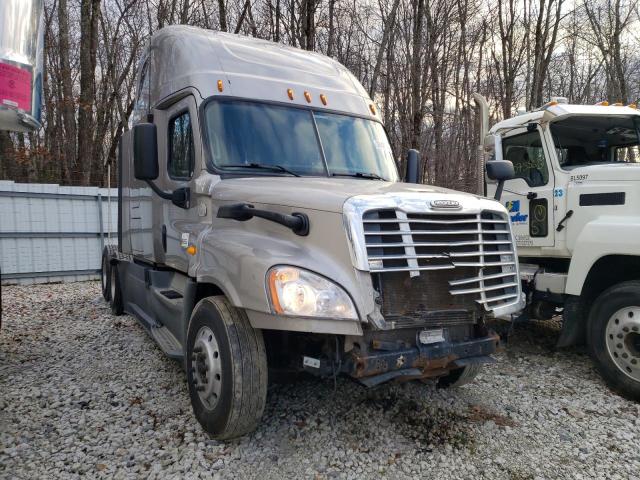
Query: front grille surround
473,246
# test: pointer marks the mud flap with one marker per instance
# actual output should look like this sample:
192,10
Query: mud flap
574,323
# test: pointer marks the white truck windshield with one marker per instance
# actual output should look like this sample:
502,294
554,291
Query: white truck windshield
244,135
581,140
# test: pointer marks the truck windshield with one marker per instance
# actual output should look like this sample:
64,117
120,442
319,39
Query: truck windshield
244,136
582,140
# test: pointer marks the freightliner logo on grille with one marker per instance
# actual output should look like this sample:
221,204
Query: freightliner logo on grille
446,204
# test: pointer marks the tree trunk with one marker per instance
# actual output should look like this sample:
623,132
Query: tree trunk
66,99
416,73
90,9
332,28
222,13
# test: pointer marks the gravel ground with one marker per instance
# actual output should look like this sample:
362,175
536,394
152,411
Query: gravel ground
84,393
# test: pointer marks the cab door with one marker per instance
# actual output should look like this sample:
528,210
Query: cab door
529,196
179,159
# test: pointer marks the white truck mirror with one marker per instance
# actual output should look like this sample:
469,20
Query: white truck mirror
500,170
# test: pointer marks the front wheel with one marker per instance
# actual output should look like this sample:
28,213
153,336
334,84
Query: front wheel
460,376
226,369
614,337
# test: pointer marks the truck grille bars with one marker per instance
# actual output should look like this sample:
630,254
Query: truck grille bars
478,246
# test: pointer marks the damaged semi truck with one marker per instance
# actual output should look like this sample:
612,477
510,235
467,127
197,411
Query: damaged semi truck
262,223
573,206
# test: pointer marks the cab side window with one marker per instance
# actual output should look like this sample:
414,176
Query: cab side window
181,151
527,155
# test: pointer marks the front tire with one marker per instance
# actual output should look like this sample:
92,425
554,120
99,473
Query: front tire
614,337
226,369
460,376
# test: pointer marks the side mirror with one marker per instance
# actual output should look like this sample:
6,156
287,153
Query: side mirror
412,174
500,170
145,151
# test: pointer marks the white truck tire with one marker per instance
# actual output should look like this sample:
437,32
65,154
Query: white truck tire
613,337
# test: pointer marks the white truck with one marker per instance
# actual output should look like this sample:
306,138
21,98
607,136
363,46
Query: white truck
574,207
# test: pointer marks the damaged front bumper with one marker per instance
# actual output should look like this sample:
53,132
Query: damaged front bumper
420,361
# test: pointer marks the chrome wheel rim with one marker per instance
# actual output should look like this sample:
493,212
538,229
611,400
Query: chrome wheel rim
623,341
206,367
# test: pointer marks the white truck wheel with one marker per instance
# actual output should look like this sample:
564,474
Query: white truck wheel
226,369
614,337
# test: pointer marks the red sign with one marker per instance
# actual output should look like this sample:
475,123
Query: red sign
15,87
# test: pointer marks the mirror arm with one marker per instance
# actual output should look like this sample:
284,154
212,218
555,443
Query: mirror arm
180,197
499,188
157,191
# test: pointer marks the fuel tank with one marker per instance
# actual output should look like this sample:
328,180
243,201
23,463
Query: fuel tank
21,64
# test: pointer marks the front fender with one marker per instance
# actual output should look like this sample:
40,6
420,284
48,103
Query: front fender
606,235
236,256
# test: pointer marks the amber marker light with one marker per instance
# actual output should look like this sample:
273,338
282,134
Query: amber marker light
191,250
372,107
290,93
220,86
323,98
307,96
273,290
632,105
604,103
618,104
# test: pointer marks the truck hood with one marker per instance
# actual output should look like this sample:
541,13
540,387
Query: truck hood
595,172
316,193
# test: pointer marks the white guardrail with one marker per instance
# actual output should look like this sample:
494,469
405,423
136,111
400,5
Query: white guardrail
50,233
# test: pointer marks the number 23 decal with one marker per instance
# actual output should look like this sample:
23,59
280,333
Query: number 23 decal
558,192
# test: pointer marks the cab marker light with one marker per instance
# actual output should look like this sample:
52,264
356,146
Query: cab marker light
632,105
372,107
323,98
191,250
618,104
307,96
290,93
220,86
603,103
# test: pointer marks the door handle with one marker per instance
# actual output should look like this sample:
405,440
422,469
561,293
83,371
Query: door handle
164,238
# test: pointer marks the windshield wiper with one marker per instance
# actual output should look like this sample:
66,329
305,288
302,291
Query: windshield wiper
273,168
366,175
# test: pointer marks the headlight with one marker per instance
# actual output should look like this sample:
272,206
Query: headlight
297,292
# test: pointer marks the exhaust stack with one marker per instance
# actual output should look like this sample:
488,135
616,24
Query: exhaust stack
482,112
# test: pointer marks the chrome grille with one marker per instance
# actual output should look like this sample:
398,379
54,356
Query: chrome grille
476,247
